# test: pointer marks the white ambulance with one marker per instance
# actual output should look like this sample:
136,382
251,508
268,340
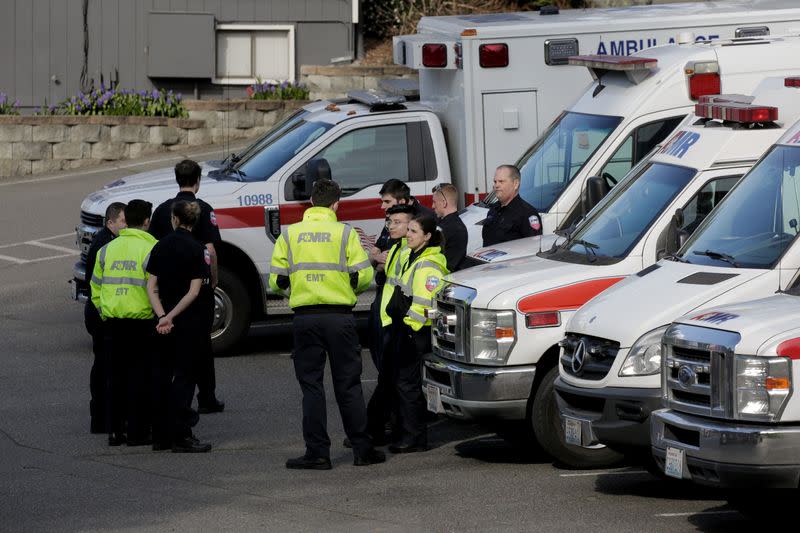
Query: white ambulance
610,368
487,91
497,327
728,382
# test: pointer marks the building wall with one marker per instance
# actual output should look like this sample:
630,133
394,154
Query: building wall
42,41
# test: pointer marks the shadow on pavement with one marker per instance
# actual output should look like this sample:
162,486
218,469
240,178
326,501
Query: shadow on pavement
502,449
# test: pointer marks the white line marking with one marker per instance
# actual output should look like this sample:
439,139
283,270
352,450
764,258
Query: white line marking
13,259
673,515
39,241
70,234
70,251
604,472
48,258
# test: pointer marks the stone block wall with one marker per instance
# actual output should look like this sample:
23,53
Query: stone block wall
335,82
38,144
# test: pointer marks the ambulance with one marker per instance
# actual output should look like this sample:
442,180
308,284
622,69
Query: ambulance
488,86
610,371
732,419
497,328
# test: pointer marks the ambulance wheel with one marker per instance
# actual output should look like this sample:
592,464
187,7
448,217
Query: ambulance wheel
547,428
231,312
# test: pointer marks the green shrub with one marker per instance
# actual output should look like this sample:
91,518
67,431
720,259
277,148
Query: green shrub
7,107
121,102
278,91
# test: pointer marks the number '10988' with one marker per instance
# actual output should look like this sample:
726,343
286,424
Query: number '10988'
254,199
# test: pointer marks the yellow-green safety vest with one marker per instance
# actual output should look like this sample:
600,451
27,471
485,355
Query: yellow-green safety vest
119,280
419,281
318,255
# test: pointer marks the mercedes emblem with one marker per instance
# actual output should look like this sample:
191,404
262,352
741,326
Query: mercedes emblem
579,357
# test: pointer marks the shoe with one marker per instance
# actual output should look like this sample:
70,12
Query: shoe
408,447
146,441
214,407
371,457
308,462
188,445
116,439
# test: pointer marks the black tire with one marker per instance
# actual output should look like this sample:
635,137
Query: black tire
546,425
231,312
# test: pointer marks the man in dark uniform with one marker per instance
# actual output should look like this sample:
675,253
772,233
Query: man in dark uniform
187,174
98,377
320,264
179,267
445,203
510,217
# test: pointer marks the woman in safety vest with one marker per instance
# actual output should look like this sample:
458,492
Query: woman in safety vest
409,334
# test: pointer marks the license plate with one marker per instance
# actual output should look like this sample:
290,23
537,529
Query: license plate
572,431
434,399
673,465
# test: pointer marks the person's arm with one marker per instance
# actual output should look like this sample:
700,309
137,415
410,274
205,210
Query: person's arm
530,225
456,246
214,274
358,264
426,283
279,267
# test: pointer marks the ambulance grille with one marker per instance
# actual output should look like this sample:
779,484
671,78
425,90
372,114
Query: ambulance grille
595,356
450,328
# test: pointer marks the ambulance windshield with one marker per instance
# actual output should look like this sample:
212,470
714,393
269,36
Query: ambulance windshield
559,154
277,150
618,224
757,221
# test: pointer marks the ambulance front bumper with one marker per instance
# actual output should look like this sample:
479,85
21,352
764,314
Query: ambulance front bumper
471,392
728,453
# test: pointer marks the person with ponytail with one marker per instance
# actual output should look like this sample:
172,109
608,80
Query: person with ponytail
179,267
408,339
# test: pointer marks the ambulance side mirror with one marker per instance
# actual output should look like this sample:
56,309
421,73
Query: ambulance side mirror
676,237
596,188
303,180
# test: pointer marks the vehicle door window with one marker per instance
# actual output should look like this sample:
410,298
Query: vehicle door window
367,156
637,145
705,200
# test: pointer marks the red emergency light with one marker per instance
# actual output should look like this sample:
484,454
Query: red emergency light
493,55
793,81
703,78
737,112
605,62
434,55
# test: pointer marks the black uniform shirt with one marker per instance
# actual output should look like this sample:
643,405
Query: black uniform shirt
177,259
205,231
455,240
100,239
516,220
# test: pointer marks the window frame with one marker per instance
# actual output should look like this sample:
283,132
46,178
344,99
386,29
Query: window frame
251,28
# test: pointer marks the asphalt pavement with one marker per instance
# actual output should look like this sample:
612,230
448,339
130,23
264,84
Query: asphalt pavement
55,476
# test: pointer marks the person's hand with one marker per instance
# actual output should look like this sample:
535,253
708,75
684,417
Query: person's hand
382,257
165,325
374,252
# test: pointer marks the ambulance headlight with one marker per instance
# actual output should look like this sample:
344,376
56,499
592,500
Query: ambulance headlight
763,384
492,335
644,357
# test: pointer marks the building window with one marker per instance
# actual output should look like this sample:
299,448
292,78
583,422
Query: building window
247,52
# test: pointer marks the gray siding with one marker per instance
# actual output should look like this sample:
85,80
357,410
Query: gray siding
42,41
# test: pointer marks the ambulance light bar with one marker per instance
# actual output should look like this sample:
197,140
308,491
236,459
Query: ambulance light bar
737,112
726,98
793,81
620,63
376,100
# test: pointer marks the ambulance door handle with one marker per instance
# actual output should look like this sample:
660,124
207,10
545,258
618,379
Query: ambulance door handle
510,119
272,222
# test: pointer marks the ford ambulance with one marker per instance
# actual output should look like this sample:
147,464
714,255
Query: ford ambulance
610,367
487,90
732,417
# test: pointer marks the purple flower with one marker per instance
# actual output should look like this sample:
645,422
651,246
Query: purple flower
3,98
16,103
52,109
154,94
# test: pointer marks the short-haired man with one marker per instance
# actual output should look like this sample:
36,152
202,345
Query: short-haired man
320,263
510,217
187,174
445,204
113,222
119,293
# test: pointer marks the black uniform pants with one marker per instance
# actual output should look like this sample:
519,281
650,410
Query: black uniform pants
206,375
98,376
404,351
130,349
334,334
375,329
379,408
175,377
